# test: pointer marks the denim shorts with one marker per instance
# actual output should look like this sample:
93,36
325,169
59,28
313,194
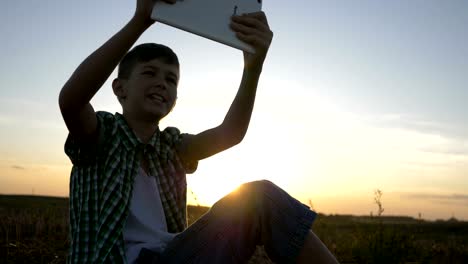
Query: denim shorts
257,213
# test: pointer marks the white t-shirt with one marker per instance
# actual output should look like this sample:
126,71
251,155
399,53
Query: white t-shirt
146,223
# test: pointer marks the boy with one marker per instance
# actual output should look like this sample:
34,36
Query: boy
128,188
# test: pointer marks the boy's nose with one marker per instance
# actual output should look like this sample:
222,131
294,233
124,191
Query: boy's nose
160,85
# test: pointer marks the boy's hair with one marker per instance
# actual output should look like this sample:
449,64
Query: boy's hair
144,53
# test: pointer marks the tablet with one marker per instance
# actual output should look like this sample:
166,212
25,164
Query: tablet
207,18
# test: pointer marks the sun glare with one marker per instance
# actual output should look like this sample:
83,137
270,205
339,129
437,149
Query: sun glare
205,191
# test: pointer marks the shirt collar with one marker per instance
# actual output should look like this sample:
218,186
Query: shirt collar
131,141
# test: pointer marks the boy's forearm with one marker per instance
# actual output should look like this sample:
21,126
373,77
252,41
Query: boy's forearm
238,117
94,70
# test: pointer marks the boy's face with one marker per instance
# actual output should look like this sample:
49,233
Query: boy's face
150,91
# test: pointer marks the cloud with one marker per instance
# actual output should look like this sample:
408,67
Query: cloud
459,199
445,139
446,129
437,164
458,150
16,167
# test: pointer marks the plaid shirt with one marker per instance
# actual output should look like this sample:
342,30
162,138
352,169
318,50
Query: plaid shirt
101,186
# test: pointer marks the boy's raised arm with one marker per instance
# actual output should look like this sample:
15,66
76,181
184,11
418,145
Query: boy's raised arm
253,29
75,96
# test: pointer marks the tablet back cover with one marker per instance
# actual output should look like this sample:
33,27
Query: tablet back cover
207,18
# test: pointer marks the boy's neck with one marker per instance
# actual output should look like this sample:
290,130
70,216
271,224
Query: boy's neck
142,128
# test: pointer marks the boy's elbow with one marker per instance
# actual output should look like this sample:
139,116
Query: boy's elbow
66,101
232,136
237,138
61,101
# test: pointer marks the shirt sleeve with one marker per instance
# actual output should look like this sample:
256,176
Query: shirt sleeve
173,137
86,153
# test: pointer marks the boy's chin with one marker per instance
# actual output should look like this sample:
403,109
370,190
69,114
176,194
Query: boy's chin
151,113
156,115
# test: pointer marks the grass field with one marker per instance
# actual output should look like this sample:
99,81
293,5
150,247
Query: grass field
34,229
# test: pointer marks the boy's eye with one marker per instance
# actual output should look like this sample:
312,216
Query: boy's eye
150,73
172,80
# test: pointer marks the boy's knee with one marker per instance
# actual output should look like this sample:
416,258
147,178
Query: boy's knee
249,194
248,200
257,189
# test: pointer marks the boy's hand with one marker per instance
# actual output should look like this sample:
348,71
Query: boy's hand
253,29
144,8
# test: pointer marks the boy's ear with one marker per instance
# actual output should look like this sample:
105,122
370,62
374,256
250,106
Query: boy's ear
119,89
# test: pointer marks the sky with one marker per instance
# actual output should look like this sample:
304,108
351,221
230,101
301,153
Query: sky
354,96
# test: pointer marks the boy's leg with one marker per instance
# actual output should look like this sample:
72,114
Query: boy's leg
257,213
